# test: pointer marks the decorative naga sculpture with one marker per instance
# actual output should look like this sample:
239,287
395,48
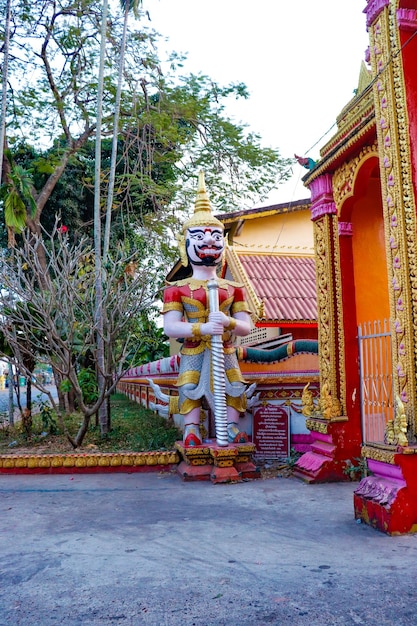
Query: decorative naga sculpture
396,429
307,401
206,312
328,406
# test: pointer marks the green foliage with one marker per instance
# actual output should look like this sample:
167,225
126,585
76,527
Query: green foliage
49,422
293,458
65,386
88,382
134,428
17,195
152,343
4,424
356,468
169,121
132,5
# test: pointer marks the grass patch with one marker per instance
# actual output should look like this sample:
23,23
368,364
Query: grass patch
134,429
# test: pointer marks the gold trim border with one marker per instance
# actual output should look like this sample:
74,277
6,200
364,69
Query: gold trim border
344,178
328,286
378,454
339,385
398,200
321,425
85,460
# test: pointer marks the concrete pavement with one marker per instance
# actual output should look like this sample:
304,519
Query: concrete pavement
133,549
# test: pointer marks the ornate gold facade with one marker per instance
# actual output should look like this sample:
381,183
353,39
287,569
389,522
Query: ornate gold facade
398,200
345,176
330,326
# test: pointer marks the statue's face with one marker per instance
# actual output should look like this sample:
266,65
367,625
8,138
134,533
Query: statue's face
204,245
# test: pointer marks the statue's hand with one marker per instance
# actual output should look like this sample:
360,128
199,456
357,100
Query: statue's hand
220,318
216,323
212,328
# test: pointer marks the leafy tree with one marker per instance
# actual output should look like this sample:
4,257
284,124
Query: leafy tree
127,6
170,126
154,343
58,324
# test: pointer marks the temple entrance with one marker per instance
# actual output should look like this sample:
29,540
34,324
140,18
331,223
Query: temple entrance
368,249
372,307
366,301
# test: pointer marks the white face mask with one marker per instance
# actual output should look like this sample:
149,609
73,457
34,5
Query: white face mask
205,245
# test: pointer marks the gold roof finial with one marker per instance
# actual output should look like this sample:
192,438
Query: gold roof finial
202,209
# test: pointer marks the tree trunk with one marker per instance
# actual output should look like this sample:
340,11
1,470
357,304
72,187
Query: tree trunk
58,381
29,394
11,403
97,230
5,70
112,173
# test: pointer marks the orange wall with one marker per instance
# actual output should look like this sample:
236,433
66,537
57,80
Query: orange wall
369,260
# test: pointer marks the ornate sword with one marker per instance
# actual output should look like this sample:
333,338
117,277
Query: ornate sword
218,371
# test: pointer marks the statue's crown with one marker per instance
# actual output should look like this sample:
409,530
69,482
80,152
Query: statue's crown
202,215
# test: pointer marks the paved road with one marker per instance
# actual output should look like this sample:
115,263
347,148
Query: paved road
133,549
36,397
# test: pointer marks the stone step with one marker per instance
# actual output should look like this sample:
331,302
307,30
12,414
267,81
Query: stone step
323,448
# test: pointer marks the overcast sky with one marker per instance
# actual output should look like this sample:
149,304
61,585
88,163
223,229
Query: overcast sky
300,61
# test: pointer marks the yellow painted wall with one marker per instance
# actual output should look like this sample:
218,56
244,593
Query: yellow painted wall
284,233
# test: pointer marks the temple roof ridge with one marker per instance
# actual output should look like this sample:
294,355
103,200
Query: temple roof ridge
365,78
364,81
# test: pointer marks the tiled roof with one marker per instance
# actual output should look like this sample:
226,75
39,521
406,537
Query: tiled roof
286,285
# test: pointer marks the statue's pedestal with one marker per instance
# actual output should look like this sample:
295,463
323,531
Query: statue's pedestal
220,464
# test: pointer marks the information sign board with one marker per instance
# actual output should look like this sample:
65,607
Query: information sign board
271,431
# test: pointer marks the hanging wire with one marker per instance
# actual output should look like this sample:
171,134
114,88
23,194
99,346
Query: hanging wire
364,92
371,84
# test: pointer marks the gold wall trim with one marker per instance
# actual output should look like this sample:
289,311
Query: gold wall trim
350,118
326,163
378,454
330,320
398,201
317,426
340,348
344,178
78,461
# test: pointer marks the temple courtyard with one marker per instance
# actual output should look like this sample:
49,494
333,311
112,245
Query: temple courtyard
149,548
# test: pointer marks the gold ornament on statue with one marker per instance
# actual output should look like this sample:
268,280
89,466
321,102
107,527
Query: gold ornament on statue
182,249
202,216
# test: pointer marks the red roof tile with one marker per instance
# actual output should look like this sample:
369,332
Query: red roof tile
286,285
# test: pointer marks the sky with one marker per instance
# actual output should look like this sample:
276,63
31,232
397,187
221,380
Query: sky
300,60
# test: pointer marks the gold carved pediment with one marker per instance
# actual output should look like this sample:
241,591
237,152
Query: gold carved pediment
345,176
